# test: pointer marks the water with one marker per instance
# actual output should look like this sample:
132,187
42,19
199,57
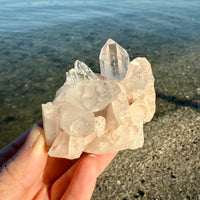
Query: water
23,16
40,40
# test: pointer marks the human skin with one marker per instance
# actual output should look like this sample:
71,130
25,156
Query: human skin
27,172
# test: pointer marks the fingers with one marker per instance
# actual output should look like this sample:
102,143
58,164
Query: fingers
97,162
55,167
84,179
61,185
8,151
22,170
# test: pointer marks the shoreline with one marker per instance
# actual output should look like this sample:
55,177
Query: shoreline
166,167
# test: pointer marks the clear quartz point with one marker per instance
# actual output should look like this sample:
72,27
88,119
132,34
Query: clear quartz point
114,61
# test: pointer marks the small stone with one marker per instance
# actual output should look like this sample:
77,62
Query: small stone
197,91
172,176
9,119
118,182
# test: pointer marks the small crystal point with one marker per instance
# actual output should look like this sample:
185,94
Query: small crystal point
114,61
83,71
80,72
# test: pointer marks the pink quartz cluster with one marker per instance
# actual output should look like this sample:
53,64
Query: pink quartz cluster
98,115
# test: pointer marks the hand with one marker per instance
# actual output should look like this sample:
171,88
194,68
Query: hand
27,172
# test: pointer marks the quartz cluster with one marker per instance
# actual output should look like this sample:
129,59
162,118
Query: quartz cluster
101,113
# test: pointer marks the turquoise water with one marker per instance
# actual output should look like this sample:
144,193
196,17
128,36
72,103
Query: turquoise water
40,40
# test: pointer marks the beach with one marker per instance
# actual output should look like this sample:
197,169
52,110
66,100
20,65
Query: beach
34,59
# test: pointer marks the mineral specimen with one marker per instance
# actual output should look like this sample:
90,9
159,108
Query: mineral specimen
101,114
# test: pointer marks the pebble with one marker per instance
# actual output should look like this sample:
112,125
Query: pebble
118,182
197,91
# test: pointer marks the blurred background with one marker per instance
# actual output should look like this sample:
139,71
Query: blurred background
40,41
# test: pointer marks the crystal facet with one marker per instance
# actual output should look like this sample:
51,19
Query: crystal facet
114,61
101,114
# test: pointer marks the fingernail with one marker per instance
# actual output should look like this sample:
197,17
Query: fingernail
93,156
32,137
39,146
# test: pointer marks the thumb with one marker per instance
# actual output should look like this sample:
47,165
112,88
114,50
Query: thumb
25,167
